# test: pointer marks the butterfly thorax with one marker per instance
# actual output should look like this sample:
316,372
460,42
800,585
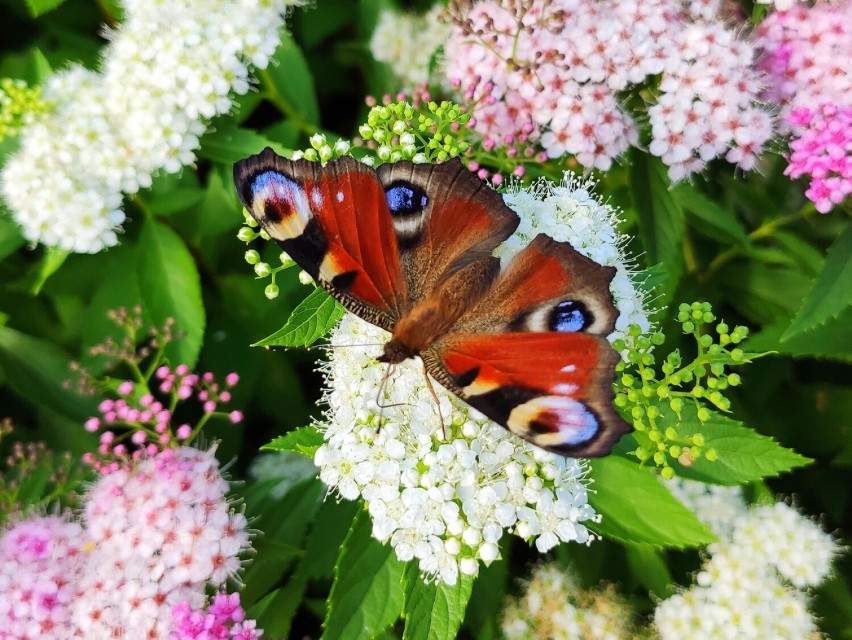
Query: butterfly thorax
427,321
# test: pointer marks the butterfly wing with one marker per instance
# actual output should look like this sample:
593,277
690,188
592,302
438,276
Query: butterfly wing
333,220
532,355
446,221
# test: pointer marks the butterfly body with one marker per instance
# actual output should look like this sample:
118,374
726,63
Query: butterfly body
409,248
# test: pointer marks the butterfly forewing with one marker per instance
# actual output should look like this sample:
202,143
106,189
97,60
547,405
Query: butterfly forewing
334,222
445,219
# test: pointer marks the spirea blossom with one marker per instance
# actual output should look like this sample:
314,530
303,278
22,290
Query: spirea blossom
408,42
752,584
169,68
445,495
222,619
40,558
805,54
554,71
154,534
823,150
555,607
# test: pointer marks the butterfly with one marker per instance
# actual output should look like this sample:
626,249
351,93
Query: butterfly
408,247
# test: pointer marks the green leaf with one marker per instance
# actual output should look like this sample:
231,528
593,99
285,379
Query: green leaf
171,288
754,289
637,508
305,440
10,234
166,204
832,290
830,341
744,455
50,263
43,70
38,370
366,596
661,218
284,522
290,84
707,215
40,7
434,611
312,319
228,143
649,567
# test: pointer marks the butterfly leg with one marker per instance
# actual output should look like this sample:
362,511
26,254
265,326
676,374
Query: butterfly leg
436,398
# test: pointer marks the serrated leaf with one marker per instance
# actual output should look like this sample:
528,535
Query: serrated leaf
290,84
305,440
753,289
367,595
434,611
830,341
310,320
37,370
171,288
40,7
715,220
661,219
831,293
637,508
743,454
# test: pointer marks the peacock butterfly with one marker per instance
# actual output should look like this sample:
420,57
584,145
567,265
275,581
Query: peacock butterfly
408,247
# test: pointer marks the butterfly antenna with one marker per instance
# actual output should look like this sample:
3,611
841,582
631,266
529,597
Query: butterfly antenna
437,400
318,347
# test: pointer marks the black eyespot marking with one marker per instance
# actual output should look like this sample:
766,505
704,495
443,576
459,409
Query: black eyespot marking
405,199
570,316
344,280
467,377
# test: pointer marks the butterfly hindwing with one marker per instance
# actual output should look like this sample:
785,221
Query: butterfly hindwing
553,389
333,220
532,354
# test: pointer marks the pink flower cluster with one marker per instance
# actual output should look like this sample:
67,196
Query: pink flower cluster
806,53
223,619
552,71
147,422
153,535
823,151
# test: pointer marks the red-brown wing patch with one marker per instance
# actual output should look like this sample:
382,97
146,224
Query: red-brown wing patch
333,220
445,219
553,389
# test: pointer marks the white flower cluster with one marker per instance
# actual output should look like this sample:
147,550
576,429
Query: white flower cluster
446,498
408,42
168,69
555,607
752,585
152,536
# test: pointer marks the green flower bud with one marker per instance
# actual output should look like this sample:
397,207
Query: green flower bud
271,291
